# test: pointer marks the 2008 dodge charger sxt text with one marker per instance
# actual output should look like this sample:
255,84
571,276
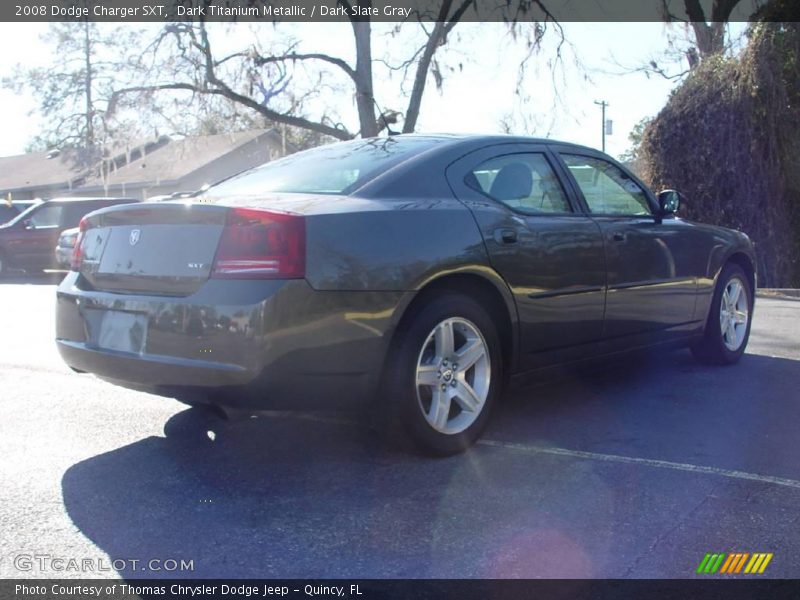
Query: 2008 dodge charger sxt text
410,275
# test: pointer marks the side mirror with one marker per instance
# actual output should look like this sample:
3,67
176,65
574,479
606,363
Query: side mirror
668,202
28,224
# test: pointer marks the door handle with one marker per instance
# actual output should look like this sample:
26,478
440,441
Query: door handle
618,236
505,236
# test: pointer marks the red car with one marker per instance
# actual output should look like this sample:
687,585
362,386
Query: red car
27,241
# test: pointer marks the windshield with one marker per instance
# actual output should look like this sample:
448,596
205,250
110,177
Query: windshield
21,216
333,169
8,212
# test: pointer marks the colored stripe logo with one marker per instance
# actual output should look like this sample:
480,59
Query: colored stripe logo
735,562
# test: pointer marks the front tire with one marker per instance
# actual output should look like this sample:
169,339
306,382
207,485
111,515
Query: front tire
445,374
728,328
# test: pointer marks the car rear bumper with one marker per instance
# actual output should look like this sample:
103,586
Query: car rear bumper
160,370
250,344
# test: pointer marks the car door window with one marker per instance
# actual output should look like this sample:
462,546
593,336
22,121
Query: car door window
607,189
46,217
524,182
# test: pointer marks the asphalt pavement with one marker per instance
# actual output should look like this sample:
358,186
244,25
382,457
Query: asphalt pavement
636,469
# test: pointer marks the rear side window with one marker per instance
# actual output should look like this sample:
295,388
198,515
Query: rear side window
607,189
525,182
333,169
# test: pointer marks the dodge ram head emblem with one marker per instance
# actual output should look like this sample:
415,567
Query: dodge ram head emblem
135,235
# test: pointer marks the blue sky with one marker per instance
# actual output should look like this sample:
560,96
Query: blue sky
475,98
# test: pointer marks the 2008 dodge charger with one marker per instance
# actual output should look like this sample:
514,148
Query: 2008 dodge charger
410,275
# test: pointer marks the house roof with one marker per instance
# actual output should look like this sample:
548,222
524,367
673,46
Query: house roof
177,159
40,169
148,162
66,168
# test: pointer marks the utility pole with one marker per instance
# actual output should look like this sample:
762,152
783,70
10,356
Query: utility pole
603,105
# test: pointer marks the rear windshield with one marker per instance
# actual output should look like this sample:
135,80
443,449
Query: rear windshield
332,169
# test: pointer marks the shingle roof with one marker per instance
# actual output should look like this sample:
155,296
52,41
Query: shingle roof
177,159
140,162
72,165
37,170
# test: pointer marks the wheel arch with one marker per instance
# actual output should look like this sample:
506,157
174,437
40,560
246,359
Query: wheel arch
481,283
737,257
746,263
709,349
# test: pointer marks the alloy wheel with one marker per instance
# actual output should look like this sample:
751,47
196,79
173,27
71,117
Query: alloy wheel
453,375
734,314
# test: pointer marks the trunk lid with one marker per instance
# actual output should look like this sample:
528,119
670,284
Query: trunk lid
162,249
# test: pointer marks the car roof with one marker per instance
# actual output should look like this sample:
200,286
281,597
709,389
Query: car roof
409,177
488,139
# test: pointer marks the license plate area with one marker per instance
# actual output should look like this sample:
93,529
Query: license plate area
122,331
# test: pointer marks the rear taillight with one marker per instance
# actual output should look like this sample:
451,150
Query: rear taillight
77,250
260,244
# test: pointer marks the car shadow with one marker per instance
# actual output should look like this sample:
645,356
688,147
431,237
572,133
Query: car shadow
664,406
317,496
261,490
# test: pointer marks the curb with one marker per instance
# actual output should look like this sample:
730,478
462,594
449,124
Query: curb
779,293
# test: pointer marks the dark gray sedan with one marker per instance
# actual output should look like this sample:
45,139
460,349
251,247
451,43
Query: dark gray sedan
409,276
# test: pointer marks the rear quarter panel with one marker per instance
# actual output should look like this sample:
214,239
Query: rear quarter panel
395,247
391,245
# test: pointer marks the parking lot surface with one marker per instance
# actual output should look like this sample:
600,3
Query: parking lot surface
635,469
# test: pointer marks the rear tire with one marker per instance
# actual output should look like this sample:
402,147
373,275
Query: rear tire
728,327
444,406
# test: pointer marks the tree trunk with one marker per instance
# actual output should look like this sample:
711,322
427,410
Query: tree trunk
421,76
710,38
365,100
89,137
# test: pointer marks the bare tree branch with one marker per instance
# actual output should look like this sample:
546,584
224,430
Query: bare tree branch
293,56
435,39
337,132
